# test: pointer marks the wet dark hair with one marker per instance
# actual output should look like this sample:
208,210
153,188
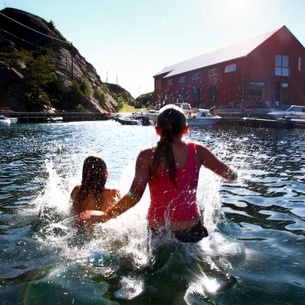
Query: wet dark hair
94,177
171,121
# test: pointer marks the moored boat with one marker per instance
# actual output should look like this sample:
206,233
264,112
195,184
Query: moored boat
298,123
151,114
132,119
203,117
55,119
4,121
13,120
267,123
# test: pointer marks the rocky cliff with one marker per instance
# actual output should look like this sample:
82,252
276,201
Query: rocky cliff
40,70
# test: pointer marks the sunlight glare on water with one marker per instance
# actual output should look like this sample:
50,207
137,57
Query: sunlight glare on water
255,223
122,243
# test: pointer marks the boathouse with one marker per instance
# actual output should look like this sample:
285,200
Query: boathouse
264,71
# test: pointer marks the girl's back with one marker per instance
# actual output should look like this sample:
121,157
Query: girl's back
102,202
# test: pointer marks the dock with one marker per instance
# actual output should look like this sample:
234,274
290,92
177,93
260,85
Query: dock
44,117
229,117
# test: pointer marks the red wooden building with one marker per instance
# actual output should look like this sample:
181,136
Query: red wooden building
265,71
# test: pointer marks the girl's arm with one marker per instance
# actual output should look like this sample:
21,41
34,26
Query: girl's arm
134,195
210,161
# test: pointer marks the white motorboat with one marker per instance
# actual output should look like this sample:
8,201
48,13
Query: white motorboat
294,112
13,120
151,114
4,121
55,119
203,118
132,119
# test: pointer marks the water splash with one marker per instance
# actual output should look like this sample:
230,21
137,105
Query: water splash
119,253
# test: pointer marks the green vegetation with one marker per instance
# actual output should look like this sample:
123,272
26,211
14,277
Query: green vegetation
44,90
100,96
126,108
146,100
38,71
37,76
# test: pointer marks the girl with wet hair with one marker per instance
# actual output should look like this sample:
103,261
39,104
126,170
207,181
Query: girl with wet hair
91,194
171,170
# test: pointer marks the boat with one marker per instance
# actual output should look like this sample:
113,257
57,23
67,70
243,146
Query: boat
4,121
55,119
298,123
267,123
203,117
13,120
132,119
294,112
151,114
286,122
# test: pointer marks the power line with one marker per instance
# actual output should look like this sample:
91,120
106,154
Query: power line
20,38
51,37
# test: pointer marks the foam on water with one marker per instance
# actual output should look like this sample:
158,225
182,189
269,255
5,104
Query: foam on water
120,248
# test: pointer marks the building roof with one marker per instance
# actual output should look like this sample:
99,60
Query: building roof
237,50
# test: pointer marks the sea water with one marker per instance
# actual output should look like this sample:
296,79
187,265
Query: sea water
254,253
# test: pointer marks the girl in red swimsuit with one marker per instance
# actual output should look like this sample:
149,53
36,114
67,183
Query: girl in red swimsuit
171,169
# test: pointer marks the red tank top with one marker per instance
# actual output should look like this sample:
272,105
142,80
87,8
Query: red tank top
171,203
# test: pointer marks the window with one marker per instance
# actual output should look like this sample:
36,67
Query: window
170,82
282,93
230,68
182,79
196,97
158,84
256,91
212,95
282,65
299,64
213,72
196,76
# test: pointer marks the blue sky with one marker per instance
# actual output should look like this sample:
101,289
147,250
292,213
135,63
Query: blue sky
128,41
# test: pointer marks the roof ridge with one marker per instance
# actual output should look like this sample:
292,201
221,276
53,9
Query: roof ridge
235,50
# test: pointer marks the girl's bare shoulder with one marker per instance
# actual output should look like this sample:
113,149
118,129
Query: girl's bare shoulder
147,153
202,152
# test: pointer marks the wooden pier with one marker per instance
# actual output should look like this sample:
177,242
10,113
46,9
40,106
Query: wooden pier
44,117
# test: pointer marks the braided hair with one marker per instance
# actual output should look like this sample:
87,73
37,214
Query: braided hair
171,122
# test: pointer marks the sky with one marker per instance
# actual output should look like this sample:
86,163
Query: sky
129,41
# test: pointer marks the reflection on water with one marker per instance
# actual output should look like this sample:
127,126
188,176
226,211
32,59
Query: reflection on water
254,254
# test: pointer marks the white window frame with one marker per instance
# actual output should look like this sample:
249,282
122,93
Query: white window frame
182,79
213,72
196,76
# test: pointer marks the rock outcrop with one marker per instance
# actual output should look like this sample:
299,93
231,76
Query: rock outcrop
40,70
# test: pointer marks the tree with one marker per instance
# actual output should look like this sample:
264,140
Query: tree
38,75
